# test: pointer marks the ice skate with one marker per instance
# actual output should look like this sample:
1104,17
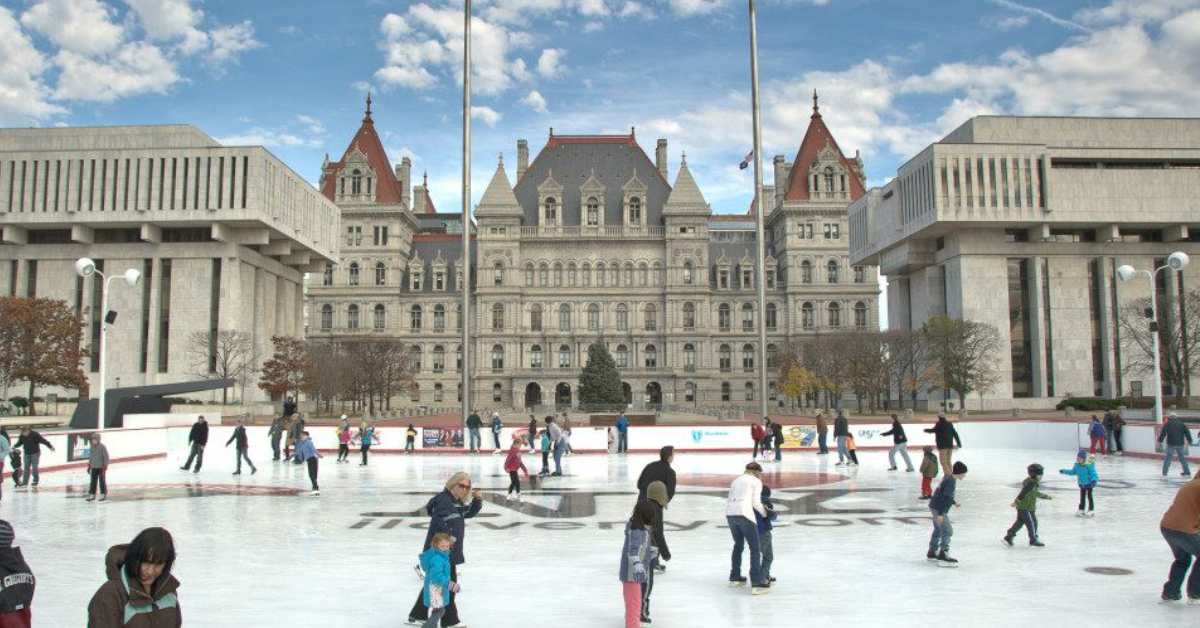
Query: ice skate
737,582
315,493
90,498
759,589
944,560
931,556
1080,514
104,498
1007,540
1036,543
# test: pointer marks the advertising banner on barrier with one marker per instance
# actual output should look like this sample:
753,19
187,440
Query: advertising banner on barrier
795,436
439,437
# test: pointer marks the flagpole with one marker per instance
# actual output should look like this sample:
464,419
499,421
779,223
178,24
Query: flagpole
465,321
760,215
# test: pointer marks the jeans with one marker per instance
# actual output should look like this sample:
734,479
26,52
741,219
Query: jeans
244,453
366,449
778,450
1178,451
475,441
419,611
1086,493
31,467
622,442
275,446
559,447
768,554
496,438
1185,547
409,445
903,449
97,476
940,540
745,532
841,447
632,593
545,461
514,483
1113,438
197,454
434,617
312,473
823,448
648,588
1025,519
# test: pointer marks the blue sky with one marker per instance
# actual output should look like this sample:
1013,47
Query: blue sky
893,75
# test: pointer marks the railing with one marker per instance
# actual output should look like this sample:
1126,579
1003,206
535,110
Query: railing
607,231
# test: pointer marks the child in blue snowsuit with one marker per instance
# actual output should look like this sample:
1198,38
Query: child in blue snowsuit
764,534
435,562
1085,473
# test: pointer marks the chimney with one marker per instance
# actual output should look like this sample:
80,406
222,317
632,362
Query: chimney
781,175
404,178
660,157
522,158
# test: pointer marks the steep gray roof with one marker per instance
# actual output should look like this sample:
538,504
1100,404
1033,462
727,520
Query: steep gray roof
428,250
498,198
686,196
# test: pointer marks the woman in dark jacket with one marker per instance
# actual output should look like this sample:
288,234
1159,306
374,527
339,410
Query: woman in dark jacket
899,444
946,438
140,592
448,512
17,594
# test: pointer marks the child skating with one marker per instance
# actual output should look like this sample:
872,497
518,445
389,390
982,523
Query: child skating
939,507
765,541
1026,505
435,562
512,464
1085,473
545,437
929,470
343,434
851,451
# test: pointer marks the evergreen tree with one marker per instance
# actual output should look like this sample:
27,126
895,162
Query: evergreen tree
599,381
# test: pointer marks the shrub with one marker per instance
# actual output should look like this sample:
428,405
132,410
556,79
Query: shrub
1090,404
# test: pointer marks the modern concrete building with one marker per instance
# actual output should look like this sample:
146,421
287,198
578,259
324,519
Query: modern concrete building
1021,222
222,236
592,242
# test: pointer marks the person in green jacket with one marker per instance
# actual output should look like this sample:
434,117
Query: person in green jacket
1026,505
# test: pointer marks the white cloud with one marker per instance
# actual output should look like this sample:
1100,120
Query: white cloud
696,7
263,137
24,97
550,63
593,27
136,68
633,9
487,115
1008,22
231,40
290,29
535,101
311,124
172,20
1041,14
1139,11
413,78
592,8
520,71
83,26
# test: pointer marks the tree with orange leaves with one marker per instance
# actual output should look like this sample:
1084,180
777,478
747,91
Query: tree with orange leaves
40,343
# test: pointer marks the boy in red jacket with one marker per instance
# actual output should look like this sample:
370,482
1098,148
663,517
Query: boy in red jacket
511,464
758,434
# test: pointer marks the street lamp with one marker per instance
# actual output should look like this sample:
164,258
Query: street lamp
85,268
1177,261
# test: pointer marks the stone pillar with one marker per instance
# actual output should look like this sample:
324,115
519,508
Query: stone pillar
522,158
660,158
404,177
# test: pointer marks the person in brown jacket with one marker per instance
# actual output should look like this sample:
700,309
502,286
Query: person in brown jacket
1180,527
822,431
140,592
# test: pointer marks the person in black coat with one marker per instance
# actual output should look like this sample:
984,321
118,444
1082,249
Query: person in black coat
289,406
777,434
243,446
661,471
841,432
198,438
946,438
31,443
448,512
17,594
899,444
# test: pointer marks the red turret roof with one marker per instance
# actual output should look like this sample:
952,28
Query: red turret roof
366,141
815,139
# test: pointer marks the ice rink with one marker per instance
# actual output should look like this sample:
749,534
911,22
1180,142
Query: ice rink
257,550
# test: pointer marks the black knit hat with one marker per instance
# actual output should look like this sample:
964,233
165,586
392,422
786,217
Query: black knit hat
959,468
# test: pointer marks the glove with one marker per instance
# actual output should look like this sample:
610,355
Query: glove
639,571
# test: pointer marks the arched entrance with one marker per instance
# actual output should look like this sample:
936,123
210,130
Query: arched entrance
562,395
533,395
653,395
627,390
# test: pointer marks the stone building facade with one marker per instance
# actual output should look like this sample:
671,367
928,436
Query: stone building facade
222,236
1021,222
593,242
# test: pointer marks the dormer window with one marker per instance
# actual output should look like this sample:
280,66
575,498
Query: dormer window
356,182
416,281
593,211
829,178
551,210
635,210
439,281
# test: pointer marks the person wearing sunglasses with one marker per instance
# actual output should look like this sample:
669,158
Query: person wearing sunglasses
448,512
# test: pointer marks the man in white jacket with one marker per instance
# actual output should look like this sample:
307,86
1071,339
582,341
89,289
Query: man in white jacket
745,499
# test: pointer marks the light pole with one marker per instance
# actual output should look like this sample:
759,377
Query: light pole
85,268
466,216
1177,261
761,214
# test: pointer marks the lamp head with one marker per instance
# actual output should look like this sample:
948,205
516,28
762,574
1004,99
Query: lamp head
1178,260
132,276
85,267
1126,272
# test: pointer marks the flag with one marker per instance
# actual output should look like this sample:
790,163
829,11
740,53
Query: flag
746,161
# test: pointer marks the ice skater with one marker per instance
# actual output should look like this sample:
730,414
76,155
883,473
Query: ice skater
656,495
435,562
295,430
97,469
14,456
1114,425
365,438
636,556
939,507
1085,474
765,542
929,470
275,433
533,429
745,499
242,446
777,438
343,436
31,442
899,445
1026,505
497,427
198,439
841,431
758,435
822,432
19,583
852,450
512,464
306,452
544,438
140,590
622,434
473,425
5,449
410,439
1180,527
1098,435
558,442
448,512
946,438
1174,432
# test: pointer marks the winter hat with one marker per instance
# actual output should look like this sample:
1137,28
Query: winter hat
1035,469
959,468
657,492
6,534
1082,453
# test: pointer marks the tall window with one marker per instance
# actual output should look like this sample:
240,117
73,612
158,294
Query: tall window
747,278
725,358
622,357
564,317
651,356
689,357
327,277
587,275
628,274
593,211
380,317
498,273
622,317
749,391
828,178
415,316
458,359
748,357
1020,317
688,273
600,274
806,316
860,315
831,271
643,274
439,359
724,317
498,317
354,273
571,274
806,272
458,317
356,182
747,317
725,393
528,274
558,274
380,274
535,357
438,392
535,318
497,392
772,356
689,392
593,317
835,315
772,316
326,317
564,356
651,313
689,316
635,210
551,210
439,318
352,317
544,274
497,357
860,274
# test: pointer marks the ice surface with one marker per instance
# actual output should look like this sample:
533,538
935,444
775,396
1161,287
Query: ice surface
258,551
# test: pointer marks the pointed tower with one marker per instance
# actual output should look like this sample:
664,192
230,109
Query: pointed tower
498,200
685,216
364,175
821,172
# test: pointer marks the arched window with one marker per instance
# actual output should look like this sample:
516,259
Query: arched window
748,357
747,317
497,392
544,274
656,276
635,210
439,359
439,318
688,273
593,211
831,271
571,274
564,357
689,316
725,358
772,356
835,315
860,274
628,274
558,274
643,274
587,275
535,318
593,317
535,357
689,357
651,356
528,274
651,314
613,269
415,318
356,182
622,317
354,273
806,272
326,317
380,274
689,392
725,393
380,317
772,316
497,357
458,359
498,317
749,391
327,277
806,316
458,317
551,210
600,274
828,178
437,392
498,273
564,317
724,316
860,315
352,317
414,357
622,357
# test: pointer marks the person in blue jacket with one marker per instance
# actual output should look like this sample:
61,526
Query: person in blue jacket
939,507
622,434
448,512
1085,473
765,544
435,562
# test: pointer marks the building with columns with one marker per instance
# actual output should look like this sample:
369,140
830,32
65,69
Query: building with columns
222,236
589,241
1021,222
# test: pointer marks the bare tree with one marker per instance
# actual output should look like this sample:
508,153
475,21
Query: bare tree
227,354
963,354
1179,339
907,362
863,353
